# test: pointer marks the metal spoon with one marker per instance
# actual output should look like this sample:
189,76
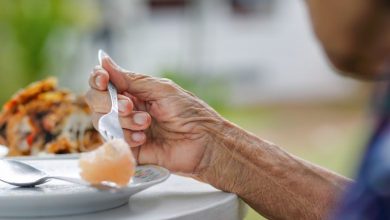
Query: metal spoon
23,175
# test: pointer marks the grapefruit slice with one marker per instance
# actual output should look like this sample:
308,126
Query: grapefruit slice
112,162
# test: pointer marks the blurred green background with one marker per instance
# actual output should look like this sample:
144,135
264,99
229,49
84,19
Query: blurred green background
243,58
28,30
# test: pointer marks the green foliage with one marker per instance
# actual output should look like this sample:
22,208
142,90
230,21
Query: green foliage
25,28
212,89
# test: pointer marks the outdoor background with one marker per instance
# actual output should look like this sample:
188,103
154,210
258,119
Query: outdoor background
256,61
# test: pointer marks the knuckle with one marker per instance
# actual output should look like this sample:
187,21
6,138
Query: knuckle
166,80
137,76
168,85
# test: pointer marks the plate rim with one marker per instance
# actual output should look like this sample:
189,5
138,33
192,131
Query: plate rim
45,157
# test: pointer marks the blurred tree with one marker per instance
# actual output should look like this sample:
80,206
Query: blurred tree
25,28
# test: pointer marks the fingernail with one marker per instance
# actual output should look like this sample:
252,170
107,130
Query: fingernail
140,118
122,105
98,81
104,55
138,136
110,60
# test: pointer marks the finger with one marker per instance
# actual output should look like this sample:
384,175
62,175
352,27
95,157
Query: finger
115,72
134,138
138,104
136,121
100,102
141,86
147,88
99,79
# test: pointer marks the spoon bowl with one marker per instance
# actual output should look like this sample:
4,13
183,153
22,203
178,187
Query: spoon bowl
20,174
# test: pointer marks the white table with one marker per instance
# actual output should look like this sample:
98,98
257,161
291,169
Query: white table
176,198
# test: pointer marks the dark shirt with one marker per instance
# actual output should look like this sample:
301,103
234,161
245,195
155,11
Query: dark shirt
369,196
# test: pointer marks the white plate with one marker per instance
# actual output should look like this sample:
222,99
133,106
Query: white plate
57,198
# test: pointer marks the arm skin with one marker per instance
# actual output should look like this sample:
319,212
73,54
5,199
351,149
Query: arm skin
272,181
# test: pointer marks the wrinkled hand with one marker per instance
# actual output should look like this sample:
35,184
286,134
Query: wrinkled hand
164,124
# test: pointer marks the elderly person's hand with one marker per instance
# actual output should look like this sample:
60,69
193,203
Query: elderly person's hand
170,127
163,123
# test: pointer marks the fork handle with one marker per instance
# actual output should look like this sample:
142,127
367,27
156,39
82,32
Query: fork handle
111,88
114,97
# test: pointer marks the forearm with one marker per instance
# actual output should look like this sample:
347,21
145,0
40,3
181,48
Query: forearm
273,182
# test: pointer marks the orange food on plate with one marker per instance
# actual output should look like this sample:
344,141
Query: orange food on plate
112,162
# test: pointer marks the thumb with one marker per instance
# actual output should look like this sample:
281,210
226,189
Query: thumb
144,87
115,72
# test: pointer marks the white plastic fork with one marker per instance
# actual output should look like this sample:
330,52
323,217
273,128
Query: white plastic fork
109,126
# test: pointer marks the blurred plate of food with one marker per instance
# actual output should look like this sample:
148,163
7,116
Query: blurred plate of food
43,120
